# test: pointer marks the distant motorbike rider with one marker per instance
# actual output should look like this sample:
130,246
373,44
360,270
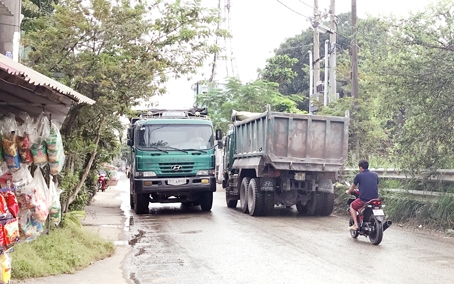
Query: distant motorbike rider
367,183
102,182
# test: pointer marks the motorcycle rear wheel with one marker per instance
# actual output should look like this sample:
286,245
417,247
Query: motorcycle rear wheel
353,234
376,235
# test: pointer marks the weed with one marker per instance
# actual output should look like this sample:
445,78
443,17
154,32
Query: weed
65,250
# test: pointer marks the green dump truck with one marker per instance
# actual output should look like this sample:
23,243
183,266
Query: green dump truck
276,158
172,158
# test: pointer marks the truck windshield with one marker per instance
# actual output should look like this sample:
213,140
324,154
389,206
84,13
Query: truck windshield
175,136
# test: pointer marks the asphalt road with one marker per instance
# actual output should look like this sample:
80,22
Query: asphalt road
175,244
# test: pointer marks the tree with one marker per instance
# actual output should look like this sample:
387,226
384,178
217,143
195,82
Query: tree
253,97
418,71
290,65
116,54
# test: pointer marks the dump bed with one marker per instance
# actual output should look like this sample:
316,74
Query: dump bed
292,141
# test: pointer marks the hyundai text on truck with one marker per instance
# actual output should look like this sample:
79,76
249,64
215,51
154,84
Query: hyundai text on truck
276,158
172,159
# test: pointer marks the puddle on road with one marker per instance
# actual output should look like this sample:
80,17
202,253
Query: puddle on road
123,187
136,238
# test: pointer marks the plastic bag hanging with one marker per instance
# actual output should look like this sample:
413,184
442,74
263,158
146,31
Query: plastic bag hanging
25,136
39,147
55,207
10,150
55,150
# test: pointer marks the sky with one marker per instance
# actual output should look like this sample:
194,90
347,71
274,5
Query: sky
260,26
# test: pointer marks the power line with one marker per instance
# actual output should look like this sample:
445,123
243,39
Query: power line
308,5
294,10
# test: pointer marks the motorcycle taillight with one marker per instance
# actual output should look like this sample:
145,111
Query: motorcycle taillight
376,202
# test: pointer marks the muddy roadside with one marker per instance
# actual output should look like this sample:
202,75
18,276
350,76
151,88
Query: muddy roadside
106,217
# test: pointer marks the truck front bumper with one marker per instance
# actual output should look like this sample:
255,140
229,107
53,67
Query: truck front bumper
175,185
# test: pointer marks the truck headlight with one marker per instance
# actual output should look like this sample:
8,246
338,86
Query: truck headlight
146,174
205,173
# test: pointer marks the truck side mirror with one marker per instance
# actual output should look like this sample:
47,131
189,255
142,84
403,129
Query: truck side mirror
218,134
130,141
220,144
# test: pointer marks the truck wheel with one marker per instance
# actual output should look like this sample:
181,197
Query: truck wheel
328,204
243,194
230,203
141,202
207,201
315,204
255,198
268,203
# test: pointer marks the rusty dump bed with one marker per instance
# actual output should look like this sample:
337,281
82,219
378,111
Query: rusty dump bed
292,141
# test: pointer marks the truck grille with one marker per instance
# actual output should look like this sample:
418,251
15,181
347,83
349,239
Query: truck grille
167,168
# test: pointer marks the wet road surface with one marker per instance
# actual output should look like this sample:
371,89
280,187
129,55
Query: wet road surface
176,244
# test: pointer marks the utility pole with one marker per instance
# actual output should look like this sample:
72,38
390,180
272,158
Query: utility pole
354,45
316,54
332,39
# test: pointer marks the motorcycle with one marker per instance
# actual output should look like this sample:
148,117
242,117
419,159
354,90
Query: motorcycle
371,220
102,182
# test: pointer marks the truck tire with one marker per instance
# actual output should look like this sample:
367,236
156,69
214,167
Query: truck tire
141,203
243,194
255,198
328,204
268,203
315,204
207,201
230,203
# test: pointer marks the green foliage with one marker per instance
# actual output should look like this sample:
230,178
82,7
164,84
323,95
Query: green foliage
290,65
117,54
253,97
73,218
409,70
279,70
68,184
435,214
66,250
367,138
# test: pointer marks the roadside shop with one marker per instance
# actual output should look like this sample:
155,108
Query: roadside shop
32,109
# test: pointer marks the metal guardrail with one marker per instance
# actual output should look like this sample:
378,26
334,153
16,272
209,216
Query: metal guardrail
446,175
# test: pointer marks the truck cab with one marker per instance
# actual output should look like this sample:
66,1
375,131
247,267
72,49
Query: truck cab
173,159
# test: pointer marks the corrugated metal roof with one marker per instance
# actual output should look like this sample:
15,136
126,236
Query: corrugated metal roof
38,79
4,9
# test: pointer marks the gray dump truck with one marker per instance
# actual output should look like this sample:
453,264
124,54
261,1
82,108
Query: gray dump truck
275,158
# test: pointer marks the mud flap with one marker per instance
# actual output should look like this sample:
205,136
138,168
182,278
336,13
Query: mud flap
325,185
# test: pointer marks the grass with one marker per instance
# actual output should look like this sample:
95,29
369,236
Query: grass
64,250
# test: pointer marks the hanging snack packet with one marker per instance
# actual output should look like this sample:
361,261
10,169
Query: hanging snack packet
23,143
11,202
11,232
39,152
5,260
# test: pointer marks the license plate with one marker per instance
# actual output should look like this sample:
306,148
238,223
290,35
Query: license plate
177,181
300,176
378,212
